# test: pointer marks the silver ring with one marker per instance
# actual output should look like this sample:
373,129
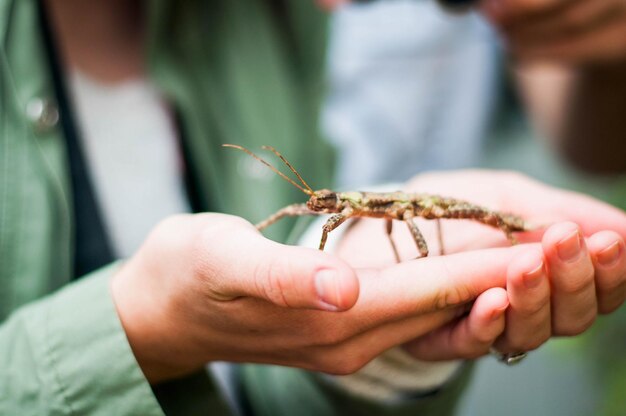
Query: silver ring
510,358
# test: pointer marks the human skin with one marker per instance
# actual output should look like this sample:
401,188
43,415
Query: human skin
555,290
577,32
209,287
569,57
175,319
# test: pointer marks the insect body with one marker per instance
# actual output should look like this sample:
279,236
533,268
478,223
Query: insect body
390,206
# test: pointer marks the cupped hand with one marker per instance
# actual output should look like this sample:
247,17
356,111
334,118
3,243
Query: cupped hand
569,31
571,267
209,287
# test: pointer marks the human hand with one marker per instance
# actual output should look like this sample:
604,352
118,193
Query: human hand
209,287
562,297
567,31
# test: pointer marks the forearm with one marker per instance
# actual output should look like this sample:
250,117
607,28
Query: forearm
582,112
594,136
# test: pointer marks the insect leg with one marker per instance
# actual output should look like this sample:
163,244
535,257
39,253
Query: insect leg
442,250
288,211
420,242
332,223
506,223
509,234
389,226
502,224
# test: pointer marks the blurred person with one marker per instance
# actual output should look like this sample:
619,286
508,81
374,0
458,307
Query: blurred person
94,97
437,84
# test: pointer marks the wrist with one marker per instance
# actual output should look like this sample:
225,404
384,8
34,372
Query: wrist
156,342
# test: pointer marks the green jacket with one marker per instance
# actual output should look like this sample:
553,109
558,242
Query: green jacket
244,71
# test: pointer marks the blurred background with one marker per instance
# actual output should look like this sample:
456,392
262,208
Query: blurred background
414,88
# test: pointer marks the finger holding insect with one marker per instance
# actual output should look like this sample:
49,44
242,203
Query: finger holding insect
465,277
572,279
528,319
432,283
609,257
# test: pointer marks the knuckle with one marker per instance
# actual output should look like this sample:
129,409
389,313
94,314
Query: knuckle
450,295
576,287
269,281
208,232
455,296
532,307
577,283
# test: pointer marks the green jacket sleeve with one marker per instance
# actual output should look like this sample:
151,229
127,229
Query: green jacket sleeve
68,354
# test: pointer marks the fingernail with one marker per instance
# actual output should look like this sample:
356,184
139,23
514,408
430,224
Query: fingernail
609,255
569,247
327,287
533,277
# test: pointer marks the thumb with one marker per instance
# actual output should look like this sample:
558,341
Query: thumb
290,276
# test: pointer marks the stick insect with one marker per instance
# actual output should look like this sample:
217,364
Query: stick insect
389,206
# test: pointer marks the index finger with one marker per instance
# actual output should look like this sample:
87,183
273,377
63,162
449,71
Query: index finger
431,284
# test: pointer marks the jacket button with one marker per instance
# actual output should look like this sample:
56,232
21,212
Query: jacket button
43,114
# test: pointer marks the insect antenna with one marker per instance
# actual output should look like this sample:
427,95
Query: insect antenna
286,162
307,191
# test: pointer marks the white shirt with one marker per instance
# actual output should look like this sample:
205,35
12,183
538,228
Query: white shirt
130,145
411,89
